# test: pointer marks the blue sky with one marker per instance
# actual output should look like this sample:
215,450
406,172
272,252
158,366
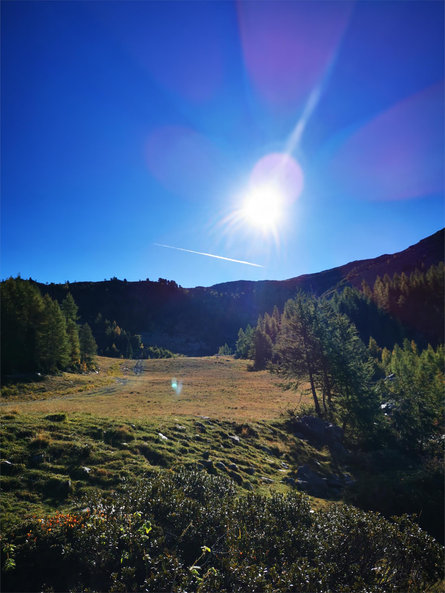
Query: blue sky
131,125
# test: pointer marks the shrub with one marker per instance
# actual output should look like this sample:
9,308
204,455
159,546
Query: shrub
188,531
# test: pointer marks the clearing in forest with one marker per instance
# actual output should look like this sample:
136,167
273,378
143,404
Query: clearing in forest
219,387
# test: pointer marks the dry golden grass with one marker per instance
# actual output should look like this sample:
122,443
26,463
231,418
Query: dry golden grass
63,384
219,387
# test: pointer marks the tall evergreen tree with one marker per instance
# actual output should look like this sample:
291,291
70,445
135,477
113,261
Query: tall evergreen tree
323,347
88,346
72,331
262,345
297,346
21,314
52,340
69,308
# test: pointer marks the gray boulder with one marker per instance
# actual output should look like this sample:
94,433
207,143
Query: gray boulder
289,480
311,482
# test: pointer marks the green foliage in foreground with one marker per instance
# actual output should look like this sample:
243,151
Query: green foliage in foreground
188,531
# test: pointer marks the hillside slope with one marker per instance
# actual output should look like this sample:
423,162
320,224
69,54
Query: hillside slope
196,321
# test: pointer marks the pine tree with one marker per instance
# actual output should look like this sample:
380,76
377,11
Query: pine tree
323,347
88,346
69,308
52,340
72,331
21,314
262,349
297,346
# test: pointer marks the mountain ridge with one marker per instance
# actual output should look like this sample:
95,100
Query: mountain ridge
196,321
434,244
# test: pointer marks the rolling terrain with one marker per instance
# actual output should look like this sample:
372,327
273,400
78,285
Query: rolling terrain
69,433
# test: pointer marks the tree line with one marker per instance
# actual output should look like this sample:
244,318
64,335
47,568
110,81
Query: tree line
392,395
116,342
41,335
416,300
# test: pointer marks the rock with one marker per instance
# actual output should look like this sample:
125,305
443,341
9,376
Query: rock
180,427
303,485
348,480
284,465
320,431
316,485
334,481
6,467
250,470
333,433
317,428
336,448
233,467
220,465
206,463
37,458
248,486
267,480
86,470
289,480
201,426
206,455
162,436
234,438
236,477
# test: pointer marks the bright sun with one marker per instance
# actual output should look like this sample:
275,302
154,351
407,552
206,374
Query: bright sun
263,207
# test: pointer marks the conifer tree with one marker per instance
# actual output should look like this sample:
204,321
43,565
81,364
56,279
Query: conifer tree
262,345
52,339
69,308
88,346
320,346
72,331
21,314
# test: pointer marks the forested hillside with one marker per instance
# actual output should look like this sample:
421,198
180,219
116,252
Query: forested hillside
406,301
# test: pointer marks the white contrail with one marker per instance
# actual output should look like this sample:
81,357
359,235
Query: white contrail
237,261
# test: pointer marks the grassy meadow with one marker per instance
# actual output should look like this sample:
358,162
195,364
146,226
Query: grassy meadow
69,434
220,387
221,510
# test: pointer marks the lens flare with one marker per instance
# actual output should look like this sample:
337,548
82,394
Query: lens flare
176,386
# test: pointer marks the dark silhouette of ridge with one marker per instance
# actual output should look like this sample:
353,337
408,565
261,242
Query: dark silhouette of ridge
196,321
422,255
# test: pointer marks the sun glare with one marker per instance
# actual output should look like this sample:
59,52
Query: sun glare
263,207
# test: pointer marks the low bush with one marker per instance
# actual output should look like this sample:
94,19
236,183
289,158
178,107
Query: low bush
189,531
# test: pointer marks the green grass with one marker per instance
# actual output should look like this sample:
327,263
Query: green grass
63,443
67,435
55,459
